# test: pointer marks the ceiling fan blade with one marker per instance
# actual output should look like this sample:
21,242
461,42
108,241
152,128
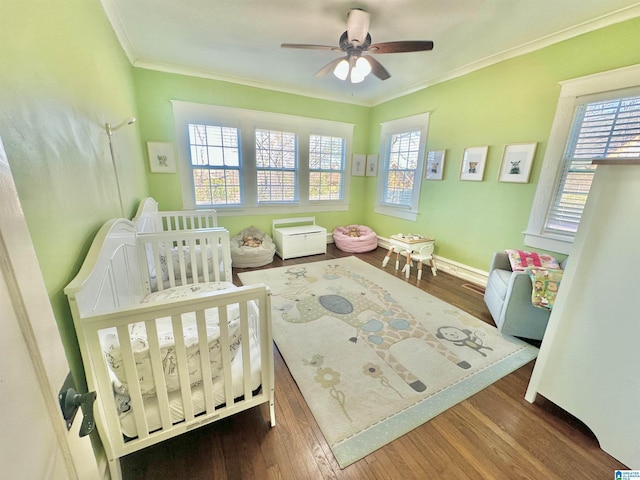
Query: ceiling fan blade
376,68
401,46
309,47
329,67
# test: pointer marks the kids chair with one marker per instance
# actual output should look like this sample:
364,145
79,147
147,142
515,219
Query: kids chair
425,254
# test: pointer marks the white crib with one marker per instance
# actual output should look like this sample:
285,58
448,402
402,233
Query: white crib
141,350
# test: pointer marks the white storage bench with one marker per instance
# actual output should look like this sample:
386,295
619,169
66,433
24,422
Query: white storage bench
298,237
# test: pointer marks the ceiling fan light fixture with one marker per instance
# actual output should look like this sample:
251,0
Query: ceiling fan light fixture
363,67
342,69
355,42
356,77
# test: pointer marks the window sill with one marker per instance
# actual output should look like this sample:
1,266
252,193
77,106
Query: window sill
551,243
615,162
278,209
405,214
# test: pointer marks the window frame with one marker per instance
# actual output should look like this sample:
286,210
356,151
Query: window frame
295,170
420,123
588,89
247,121
214,168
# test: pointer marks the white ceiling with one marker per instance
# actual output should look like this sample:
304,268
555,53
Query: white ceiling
239,40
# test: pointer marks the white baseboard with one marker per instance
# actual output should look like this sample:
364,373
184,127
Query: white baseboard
465,272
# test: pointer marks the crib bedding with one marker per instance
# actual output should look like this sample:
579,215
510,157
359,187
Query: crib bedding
152,412
141,351
140,341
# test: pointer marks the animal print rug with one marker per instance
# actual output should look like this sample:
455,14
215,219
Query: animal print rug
373,355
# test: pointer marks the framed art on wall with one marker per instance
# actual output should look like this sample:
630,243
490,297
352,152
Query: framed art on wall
162,158
435,165
517,161
473,163
358,165
372,165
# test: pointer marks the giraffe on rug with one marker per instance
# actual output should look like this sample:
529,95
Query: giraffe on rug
391,324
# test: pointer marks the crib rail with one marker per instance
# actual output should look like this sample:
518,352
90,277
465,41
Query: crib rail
224,392
149,219
184,257
188,219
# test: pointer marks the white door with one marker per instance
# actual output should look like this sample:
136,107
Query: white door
34,441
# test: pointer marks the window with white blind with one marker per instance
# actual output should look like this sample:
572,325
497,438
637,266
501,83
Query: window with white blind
244,161
402,147
326,167
608,129
276,166
215,164
597,117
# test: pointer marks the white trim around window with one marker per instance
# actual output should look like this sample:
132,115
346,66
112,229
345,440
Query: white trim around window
414,123
247,121
572,94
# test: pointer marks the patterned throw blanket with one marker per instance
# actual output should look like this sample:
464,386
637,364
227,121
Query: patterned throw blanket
545,286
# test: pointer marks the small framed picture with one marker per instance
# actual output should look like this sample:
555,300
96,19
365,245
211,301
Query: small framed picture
162,157
372,165
517,161
473,163
435,165
358,165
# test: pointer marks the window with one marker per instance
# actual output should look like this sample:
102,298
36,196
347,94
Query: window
253,162
402,147
326,167
606,129
401,170
276,165
597,116
215,164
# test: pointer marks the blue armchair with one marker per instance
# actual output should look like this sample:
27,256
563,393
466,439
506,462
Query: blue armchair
508,297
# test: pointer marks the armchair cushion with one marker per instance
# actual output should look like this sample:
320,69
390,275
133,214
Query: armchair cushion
520,259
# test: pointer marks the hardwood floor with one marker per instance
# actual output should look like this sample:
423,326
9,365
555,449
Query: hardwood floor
494,434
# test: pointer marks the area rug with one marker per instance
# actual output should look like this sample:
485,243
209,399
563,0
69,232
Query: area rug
375,356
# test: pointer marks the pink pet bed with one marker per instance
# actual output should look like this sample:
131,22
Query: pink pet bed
367,241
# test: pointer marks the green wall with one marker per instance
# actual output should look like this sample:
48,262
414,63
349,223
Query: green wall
63,76
510,102
155,90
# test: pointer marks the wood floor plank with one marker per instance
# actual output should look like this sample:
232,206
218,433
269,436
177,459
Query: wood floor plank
494,434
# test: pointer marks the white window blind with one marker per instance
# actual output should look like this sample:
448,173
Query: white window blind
601,130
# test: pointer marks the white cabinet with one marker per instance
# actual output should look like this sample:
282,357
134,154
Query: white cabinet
298,237
588,360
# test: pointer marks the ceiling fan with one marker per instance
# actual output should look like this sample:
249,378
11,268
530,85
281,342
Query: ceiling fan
355,42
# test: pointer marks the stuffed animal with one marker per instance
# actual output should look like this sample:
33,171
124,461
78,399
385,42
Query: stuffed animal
353,232
249,241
